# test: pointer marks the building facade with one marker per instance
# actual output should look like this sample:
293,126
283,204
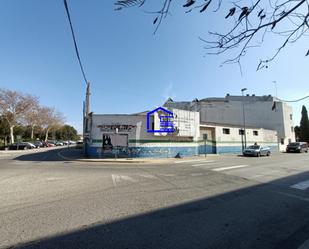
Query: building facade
265,112
139,135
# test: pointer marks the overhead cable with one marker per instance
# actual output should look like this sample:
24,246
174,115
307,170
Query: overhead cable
294,100
74,40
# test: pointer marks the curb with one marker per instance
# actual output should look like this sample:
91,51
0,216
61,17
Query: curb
130,161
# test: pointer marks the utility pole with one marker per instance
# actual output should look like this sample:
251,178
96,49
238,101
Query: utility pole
87,99
244,117
276,90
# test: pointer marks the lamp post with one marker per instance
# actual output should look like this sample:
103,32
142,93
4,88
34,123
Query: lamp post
244,142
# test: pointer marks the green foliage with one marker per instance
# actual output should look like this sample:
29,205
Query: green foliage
297,132
4,130
304,126
66,132
4,127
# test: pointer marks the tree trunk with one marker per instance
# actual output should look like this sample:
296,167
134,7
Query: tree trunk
32,132
12,134
46,134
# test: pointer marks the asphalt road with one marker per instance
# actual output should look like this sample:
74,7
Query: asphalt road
215,202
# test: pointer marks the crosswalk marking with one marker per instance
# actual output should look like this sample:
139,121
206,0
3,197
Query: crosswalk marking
188,161
118,178
200,164
230,167
301,185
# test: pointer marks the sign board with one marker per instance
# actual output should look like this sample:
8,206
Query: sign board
114,140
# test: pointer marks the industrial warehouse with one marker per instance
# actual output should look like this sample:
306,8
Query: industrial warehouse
178,129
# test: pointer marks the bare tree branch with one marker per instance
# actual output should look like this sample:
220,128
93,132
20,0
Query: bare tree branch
251,23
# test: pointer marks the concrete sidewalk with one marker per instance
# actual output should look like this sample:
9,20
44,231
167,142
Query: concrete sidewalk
76,155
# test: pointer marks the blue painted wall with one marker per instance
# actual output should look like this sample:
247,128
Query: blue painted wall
163,152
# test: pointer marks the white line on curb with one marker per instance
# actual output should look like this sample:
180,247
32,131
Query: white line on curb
231,167
301,185
204,163
188,161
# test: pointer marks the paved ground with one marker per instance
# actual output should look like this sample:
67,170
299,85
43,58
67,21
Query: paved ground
217,202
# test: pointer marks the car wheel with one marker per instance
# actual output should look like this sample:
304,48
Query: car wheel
268,153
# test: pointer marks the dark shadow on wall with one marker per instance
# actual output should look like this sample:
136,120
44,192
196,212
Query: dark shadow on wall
265,216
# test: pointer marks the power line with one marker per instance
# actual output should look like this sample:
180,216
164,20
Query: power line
74,40
295,100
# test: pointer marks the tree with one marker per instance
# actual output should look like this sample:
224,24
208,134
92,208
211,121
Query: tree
4,129
297,132
251,22
13,106
50,119
66,132
31,116
304,125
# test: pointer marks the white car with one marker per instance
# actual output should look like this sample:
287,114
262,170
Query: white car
29,145
257,150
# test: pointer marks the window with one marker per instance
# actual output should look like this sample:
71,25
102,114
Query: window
241,132
255,133
226,131
282,140
291,116
292,129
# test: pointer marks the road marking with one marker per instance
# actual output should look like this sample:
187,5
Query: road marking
148,176
204,163
301,185
292,196
196,174
118,178
188,161
305,245
231,167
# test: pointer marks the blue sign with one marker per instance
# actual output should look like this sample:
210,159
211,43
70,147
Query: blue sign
166,120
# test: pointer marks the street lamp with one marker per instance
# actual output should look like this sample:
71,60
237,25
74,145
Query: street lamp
244,119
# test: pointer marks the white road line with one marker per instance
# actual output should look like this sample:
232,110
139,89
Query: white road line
292,196
196,174
147,176
114,178
200,164
305,245
301,185
188,161
117,178
231,167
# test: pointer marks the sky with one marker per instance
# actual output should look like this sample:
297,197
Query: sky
130,68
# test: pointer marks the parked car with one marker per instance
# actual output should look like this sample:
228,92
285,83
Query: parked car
38,144
21,146
297,147
51,143
257,150
59,143
29,145
79,144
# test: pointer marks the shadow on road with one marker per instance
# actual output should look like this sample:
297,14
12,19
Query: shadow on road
57,154
262,216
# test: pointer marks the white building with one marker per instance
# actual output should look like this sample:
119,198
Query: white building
263,112
139,135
